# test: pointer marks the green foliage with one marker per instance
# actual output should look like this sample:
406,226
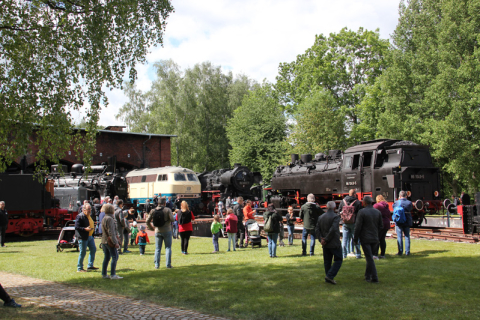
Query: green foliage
430,92
257,132
342,65
194,104
56,56
439,280
320,125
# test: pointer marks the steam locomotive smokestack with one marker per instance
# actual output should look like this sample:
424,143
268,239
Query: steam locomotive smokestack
294,157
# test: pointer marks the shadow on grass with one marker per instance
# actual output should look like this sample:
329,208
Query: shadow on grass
258,290
426,253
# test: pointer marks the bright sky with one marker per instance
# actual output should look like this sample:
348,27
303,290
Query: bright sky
253,36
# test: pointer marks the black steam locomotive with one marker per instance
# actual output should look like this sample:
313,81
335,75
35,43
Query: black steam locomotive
219,184
378,167
80,184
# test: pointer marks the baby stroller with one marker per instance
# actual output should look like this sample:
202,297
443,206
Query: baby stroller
253,233
67,237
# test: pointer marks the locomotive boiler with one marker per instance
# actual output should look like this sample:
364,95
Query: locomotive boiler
378,167
81,184
219,184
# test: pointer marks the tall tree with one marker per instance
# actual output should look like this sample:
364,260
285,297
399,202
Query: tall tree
57,56
319,124
257,132
194,104
430,92
341,64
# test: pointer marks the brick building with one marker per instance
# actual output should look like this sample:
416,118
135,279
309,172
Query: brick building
132,150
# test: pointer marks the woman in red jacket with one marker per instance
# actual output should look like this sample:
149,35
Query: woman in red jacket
382,206
185,228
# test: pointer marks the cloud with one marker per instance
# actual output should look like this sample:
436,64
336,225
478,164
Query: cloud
253,36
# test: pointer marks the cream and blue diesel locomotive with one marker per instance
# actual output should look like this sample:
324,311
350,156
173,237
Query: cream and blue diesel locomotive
170,181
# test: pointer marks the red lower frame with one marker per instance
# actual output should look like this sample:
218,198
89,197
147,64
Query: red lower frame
32,222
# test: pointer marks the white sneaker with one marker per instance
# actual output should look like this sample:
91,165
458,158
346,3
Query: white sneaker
375,258
115,277
106,277
351,255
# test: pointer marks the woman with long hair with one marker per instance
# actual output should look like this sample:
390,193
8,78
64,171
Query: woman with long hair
185,228
290,224
382,206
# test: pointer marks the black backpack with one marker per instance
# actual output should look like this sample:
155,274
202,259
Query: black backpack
159,218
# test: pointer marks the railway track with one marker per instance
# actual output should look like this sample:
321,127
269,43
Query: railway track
445,234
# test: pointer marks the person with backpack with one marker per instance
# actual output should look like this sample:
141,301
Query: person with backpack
328,234
272,228
348,209
402,217
309,214
185,227
368,226
162,219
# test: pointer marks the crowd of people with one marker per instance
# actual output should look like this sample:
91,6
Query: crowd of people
364,228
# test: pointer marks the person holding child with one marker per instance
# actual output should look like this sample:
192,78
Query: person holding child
216,228
142,240
231,222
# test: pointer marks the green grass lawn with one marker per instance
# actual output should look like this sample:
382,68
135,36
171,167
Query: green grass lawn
439,281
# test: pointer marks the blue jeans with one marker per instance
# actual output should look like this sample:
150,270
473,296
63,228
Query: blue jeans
231,239
215,241
82,246
305,234
159,238
272,244
109,253
400,231
348,231
291,230
329,254
175,231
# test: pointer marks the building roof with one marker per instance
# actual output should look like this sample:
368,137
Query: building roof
146,134
370,145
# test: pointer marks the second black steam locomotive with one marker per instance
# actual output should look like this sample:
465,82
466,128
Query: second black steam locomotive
378,167
220,184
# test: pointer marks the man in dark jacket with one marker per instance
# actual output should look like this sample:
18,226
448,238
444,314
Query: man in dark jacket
328,233
84,233
3,223
367,228
403,228
238,210
348,229
119,222
309,213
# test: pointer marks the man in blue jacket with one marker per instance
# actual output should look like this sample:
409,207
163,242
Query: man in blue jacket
404,228
84,233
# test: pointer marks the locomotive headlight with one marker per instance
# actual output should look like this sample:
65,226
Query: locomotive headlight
436,194
409,194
